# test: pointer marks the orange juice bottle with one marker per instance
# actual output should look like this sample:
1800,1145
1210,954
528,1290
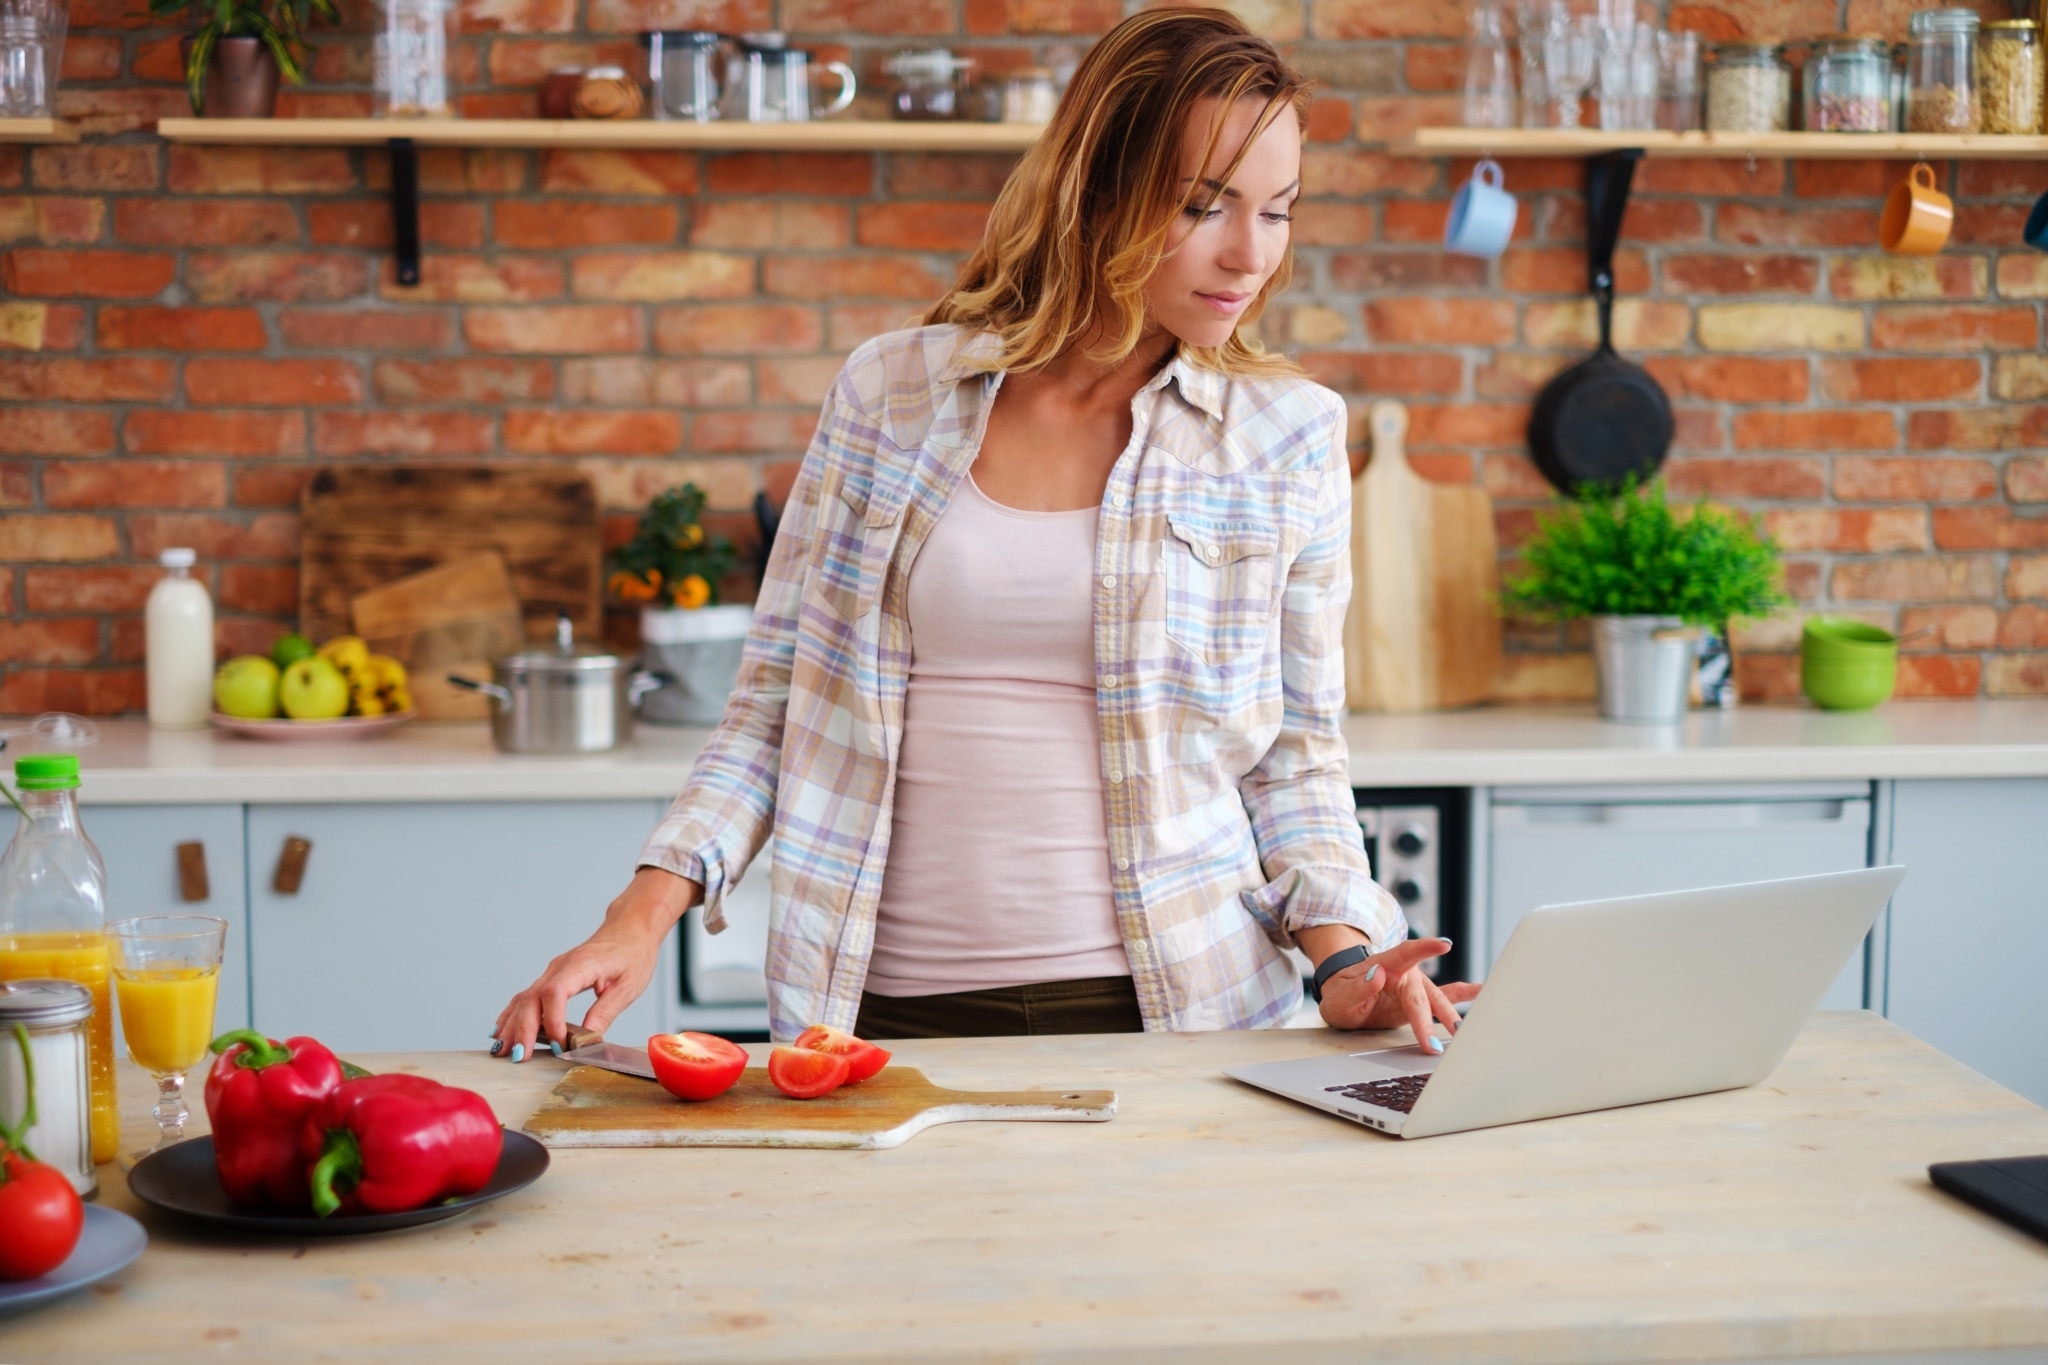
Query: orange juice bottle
53,916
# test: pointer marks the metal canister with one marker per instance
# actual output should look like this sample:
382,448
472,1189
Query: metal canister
1643,666
53,1014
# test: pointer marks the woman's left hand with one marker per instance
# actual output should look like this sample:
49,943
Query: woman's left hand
1389,989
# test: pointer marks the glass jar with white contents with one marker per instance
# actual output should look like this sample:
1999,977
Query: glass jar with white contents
1749,89
54,1015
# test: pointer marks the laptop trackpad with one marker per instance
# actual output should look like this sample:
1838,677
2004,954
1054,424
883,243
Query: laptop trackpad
1394,1061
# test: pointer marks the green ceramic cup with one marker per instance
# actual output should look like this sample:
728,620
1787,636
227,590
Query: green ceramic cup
1847,665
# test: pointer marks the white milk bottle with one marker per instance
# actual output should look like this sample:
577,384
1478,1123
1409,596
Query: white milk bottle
178,625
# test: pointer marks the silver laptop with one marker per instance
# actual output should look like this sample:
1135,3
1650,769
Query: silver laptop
1606,1003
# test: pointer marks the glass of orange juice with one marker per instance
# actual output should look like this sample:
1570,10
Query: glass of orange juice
166,973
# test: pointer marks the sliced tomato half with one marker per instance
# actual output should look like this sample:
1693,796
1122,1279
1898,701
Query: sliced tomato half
803,1074
863,1059
695,1066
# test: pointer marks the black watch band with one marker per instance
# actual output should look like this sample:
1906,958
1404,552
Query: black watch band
1335,963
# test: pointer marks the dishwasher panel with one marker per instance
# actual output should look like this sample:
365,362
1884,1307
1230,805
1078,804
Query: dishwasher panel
1557,845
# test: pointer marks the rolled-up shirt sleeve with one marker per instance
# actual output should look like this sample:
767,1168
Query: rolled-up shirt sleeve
1304,817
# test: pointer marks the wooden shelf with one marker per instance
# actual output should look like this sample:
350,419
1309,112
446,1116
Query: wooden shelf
818,136
37,130
1504,142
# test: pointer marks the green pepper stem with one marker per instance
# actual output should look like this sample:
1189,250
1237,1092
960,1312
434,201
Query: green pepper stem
16,1136
342,1161
257,1050
15,801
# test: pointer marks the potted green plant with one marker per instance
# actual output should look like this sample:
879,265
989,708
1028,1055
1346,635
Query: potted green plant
233,61
671,569
1649,576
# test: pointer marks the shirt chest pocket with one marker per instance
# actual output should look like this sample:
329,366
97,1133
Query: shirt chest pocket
1221,584
858,530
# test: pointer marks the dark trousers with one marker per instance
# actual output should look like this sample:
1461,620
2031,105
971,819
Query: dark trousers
1103,1004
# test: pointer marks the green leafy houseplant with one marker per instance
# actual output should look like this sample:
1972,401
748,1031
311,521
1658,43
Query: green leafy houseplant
671,561
280,24
1628,552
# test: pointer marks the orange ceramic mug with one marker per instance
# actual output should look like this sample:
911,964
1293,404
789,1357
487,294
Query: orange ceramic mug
1917,216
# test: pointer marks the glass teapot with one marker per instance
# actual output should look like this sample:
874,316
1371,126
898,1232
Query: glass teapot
770,83
683,71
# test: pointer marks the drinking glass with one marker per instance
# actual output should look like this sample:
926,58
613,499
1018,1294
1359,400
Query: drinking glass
1532,21
31,48
1489,72
1678,82
166,974
1569,47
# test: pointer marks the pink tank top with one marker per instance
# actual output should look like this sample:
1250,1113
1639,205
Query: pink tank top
998,870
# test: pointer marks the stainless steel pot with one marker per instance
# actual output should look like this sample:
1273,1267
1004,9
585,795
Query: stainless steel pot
568,699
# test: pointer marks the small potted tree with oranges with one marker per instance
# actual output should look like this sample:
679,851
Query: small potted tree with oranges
671,569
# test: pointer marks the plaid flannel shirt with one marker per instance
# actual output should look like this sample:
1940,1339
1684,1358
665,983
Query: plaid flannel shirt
1222,572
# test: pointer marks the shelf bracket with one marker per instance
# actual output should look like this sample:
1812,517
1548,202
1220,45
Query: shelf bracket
405,208
1608,177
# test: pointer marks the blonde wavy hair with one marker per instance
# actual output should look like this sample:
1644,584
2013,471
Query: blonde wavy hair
1084,220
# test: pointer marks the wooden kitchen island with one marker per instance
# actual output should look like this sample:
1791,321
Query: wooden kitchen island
1206,1222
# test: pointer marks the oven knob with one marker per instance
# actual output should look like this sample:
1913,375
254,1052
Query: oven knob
1407,890
1410,841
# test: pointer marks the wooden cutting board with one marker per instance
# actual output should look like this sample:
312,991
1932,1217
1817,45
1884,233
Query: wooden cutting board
594,1108
1423,630
363,527
454,618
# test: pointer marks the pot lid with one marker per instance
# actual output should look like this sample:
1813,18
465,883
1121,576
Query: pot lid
563,656
44,1003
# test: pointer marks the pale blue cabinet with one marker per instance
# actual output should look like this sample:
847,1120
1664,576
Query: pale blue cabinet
414,923
1968,943
140,846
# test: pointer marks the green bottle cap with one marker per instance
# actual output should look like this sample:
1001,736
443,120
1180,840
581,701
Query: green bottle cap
46,772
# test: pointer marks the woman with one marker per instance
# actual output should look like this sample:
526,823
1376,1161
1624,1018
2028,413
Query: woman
1042,699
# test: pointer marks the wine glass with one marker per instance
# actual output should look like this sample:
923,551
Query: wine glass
1569,47
166,975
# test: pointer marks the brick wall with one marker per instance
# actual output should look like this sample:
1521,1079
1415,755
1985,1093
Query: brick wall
186,332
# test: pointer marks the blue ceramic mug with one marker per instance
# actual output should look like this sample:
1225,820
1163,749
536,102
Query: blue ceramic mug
2037,225
1482,215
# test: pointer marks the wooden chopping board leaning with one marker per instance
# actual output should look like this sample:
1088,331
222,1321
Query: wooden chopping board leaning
1423,630
593,1108
363,528
457,617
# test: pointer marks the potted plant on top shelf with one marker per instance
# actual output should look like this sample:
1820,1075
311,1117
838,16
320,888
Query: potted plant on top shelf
672,569
1650,577
233,62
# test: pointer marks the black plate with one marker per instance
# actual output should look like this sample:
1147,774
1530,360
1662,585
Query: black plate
182,1180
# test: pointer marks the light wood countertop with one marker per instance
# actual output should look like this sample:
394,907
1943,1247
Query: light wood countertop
1485,746
1206,1222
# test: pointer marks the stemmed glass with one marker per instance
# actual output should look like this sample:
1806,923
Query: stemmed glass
1569,46
166,977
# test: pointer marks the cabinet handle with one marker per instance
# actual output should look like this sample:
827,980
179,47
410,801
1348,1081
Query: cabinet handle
192,881
291,865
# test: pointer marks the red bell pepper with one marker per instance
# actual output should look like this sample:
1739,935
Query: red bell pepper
387,1144
258,1096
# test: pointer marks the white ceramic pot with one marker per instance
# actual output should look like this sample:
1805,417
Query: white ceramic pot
698,652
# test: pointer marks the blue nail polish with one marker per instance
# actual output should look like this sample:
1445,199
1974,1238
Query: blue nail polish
1447,945
1434,1046
518,1052
1372,971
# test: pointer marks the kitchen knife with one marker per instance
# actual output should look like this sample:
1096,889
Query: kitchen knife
590,1049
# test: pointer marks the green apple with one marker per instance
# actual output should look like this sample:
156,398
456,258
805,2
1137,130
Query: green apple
246,687
313,689
291,648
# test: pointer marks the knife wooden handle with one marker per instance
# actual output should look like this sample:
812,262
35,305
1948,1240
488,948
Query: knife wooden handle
575,1037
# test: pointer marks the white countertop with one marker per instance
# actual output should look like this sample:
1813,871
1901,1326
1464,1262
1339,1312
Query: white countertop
1491,746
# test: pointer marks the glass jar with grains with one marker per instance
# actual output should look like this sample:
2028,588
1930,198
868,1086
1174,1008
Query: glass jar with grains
1848,84
2009,77
1749,89
1941,51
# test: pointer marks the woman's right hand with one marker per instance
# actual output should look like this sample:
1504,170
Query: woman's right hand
617,962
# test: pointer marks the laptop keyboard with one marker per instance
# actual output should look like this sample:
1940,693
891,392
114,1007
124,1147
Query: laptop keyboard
1398,1093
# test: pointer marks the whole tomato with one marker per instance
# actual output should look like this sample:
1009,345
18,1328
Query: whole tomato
40,1217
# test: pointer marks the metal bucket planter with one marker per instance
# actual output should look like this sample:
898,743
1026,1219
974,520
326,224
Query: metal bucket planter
699,651
1644,667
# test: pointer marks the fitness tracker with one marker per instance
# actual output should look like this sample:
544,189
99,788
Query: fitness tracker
1335,963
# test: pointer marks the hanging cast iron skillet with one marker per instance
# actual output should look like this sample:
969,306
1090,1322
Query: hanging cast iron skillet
1604,421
